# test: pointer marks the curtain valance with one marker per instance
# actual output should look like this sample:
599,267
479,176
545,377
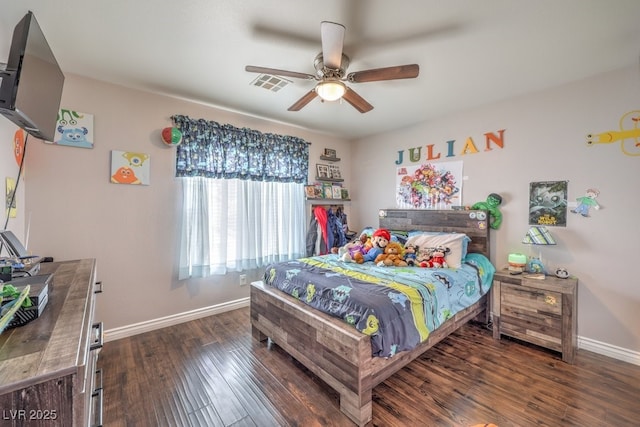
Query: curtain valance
213,150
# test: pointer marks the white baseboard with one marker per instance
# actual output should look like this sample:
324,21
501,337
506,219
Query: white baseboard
151,325
163,322
609,350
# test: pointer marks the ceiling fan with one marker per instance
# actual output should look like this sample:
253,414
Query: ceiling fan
331,72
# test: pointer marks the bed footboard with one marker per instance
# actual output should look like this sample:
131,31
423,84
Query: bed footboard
334,351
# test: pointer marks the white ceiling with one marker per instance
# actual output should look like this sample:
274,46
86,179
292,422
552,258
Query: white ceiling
470,52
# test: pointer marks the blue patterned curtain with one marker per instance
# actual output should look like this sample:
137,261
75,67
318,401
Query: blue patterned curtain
213,150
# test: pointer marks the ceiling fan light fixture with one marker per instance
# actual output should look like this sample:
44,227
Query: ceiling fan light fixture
330,90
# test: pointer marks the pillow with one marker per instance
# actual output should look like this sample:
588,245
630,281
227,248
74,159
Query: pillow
465,242
456,242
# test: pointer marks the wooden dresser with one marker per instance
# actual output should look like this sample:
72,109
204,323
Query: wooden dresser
538,311
48,366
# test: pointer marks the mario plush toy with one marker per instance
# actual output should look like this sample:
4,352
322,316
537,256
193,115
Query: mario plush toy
379,240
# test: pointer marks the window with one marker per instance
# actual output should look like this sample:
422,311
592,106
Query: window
243,197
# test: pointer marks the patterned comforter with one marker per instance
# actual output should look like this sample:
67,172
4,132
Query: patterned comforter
397,306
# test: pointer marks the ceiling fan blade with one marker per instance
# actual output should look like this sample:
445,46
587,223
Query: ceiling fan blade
307,98
332,43
357,101
276,72
409,71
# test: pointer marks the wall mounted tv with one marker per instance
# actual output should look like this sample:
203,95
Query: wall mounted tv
32,81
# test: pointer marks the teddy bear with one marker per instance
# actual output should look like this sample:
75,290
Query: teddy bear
438,257
410,253
392,256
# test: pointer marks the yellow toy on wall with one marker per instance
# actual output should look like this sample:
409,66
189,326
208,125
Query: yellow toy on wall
628,131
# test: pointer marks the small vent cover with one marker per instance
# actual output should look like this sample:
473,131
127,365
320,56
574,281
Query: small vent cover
269,82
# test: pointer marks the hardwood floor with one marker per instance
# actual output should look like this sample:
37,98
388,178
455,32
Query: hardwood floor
211,372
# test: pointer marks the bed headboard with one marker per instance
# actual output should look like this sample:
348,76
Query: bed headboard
474,223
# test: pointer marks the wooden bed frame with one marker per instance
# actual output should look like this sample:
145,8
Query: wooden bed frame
335,351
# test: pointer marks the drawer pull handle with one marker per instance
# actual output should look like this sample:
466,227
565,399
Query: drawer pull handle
98,374
99,336
99,394
98,289
550,299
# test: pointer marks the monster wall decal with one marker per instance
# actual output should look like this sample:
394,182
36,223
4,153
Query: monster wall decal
74,129
130,168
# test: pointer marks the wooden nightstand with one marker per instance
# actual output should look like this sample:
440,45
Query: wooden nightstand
538,311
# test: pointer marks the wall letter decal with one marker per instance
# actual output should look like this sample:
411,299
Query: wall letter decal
399,161
492,137
469,146
430,155
450,148
412,154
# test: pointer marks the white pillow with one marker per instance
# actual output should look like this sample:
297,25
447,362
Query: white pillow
456,242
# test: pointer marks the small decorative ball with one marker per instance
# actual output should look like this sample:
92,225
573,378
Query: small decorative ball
171,136
562,273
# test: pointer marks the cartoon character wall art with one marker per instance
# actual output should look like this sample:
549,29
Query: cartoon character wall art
74,129
429,186
628,135
10,197
548,203
587,202
129,168
18,146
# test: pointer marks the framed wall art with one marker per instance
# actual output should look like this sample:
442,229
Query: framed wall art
322,171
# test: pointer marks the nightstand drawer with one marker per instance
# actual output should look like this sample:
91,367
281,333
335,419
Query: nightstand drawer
529,300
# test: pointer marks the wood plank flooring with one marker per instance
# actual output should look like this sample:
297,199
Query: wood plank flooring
211,372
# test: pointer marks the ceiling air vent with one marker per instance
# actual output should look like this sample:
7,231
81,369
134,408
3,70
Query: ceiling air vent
269,82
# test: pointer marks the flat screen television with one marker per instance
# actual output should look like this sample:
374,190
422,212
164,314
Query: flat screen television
32,81
15,248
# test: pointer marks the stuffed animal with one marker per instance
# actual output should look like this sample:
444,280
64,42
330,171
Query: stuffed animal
354,250
410,253
491,205
380,239
392,256
423,257
437,257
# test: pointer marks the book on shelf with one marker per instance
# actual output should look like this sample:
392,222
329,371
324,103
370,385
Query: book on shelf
327,190
336,191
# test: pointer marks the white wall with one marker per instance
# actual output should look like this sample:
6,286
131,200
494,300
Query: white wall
131,230
75,212
9,169
545,140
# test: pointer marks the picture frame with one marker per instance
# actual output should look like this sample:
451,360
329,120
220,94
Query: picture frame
327,192
334,172
322,171
336,192
318,191
310,191
344,193
329,152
